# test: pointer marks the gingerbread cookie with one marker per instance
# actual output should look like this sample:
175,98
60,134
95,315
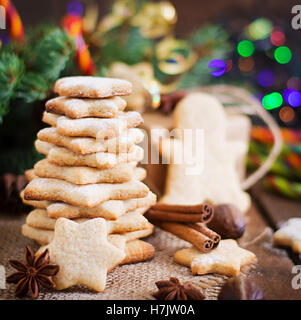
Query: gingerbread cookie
135,251
83,253
121,144
83,195
29,175
86,108
110,210
227,259
99,160
35,203
92,87
44,236
131,221
209,174
290,235
138,251
100,128
85,175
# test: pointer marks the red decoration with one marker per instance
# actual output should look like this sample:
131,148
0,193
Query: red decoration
13,20
73,25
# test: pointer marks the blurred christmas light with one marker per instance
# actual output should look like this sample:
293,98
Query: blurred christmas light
245,48
218,67
154,90
259,29
246,64
266,78
272,101
283,55
286,93
286,114
75,8
277,37
169,12
294,99
73,25
13,20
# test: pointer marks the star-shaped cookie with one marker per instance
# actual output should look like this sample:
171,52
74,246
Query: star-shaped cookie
83,253
227,259
290,234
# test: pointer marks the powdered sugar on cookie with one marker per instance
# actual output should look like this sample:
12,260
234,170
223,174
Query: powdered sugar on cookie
92,87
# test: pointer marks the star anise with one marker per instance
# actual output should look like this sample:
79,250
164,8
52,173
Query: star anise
172,289
36,271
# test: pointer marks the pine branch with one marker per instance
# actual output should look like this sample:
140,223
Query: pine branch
33,87
27,74
52,54
126,45
11,72
135,47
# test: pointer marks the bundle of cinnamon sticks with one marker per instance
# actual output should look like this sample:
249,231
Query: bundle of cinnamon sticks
187,223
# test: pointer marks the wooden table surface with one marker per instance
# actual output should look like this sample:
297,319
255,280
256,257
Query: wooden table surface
273,272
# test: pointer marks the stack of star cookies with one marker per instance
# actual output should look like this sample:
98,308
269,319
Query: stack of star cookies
90,169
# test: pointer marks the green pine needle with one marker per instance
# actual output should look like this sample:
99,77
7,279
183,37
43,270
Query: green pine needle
11,72
52,54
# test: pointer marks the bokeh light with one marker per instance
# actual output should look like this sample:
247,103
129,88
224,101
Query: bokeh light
266,78
154,90
75,8
246,64
245,48
259,29
272,101
286,114
169,12
277,37
283,55
286,93
294,99
218,67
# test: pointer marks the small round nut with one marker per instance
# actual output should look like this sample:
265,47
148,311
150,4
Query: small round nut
239,288
228,221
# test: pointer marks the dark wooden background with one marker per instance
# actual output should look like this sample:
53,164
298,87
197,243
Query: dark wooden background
192,13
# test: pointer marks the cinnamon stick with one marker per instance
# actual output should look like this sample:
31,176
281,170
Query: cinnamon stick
199,240
205,210
216,238
174,216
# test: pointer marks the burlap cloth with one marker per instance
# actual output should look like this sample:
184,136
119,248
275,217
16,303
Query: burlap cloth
128,282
